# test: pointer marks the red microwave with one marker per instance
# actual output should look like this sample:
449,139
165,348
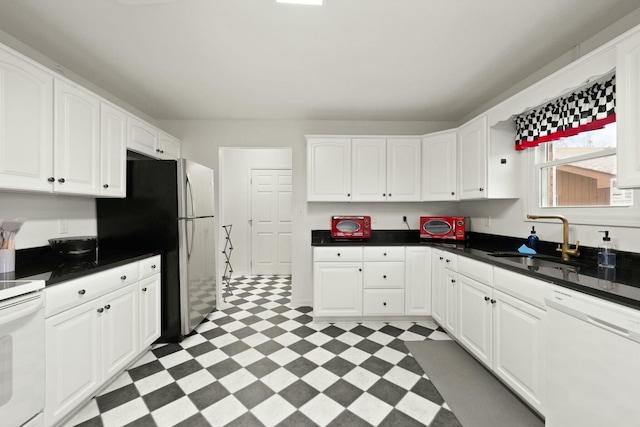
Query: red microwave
442,227
351,227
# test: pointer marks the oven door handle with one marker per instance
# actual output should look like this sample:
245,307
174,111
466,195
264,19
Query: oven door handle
12,313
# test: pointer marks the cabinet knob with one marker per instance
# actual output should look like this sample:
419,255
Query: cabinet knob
481,189
348,194
51,179
106,185
389,194
448,260
100,310
384,194
338,253
453,281
384,276
82,292
384,303
453,193
359,269
441,258
144,289
157,150
107,307
385,254
153,267
61,180
493,301
123,277
487,298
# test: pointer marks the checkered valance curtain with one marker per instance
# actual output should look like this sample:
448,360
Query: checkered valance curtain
583,110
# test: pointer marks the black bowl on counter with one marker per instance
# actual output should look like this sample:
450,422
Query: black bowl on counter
74,247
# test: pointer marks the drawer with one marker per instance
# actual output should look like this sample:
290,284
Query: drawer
383,275
149,266
520,286
338,253
480,271
69,294
383,302
384,253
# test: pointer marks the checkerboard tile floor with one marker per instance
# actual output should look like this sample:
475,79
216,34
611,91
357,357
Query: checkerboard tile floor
263,363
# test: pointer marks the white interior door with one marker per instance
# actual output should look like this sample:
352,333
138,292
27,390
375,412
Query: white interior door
271,221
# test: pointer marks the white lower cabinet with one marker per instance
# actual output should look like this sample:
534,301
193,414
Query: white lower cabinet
444,291
337,289
417,281
475,303
95,327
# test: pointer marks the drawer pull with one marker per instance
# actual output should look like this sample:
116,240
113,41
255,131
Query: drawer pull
82,292
384,276
338,253
384,303
107,307
385,254
123,277
144,289
100,310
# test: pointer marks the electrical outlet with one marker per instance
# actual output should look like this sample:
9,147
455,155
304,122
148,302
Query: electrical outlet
374,220
63,226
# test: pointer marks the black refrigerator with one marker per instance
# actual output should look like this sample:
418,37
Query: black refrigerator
170,208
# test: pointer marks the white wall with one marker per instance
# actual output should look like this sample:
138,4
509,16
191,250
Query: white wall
201,140
235,196
44,212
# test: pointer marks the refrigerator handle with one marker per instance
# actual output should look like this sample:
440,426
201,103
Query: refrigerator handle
190,188
193,237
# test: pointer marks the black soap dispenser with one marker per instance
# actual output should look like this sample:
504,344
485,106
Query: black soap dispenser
532,240
606,254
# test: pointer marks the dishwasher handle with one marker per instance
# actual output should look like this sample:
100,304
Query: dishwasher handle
11,313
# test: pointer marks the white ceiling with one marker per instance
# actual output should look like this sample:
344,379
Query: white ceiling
346,60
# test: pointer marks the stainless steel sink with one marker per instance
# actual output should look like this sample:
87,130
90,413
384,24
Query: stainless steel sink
537,261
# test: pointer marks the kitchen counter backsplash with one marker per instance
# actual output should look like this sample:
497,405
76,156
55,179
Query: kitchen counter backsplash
42,263
621,285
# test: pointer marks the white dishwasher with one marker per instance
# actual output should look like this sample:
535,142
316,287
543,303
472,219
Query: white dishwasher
593,361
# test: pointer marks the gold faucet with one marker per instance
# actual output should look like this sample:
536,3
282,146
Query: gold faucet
565,249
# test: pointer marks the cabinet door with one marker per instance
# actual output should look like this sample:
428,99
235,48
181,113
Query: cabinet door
142,137
451,302
439,166
475,307
76,140
337,289
329,169
120,329
73,362
417,281
169,147
368,170
438,286
518,334
627,111
472,155
403,169
149,294
26,125
113,151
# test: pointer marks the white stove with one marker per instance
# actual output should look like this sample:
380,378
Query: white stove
21,352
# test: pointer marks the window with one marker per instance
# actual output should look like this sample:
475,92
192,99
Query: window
580,171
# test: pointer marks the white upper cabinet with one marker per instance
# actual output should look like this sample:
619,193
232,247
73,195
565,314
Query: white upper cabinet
628,111
76,140
142,137
113,151
472,155
403,169
329,169
439,166
168,147
26,125
369,170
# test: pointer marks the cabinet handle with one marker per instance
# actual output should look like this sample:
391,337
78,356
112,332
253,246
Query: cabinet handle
493,301
144,289
82,292
487,298
123,277
153,267
338,253
61,180
107,307
100,310
51,179
384,303
384,276
106,186
481,189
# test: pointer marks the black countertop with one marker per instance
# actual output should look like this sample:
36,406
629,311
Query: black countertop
620,285
42,263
